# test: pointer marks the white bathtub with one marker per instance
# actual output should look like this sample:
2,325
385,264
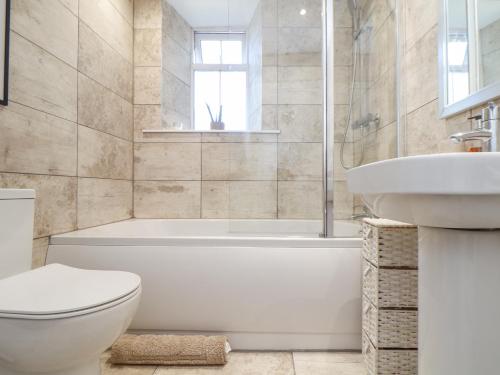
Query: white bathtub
268,285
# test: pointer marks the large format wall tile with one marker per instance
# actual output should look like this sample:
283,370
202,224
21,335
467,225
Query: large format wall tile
300,85
100,62
176,59
147,47
102,109
343,201
102,201
300,123
55,204
300,46
420,17
239,161
239,199
42,81
300,200
167,161
167,199
147,85
126,9
48,24
289,14
72,5
39,254
147,14
300,161
102,17
176,27
34,142
176,94
102,155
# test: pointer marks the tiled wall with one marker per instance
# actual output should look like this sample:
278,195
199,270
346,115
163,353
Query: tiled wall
67,132
241,176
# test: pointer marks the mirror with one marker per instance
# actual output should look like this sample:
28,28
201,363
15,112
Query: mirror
229,64
469,54
4,50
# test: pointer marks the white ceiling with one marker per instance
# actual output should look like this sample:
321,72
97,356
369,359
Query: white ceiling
216,13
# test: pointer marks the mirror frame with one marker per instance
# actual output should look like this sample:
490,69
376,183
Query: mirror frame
4,45
475,99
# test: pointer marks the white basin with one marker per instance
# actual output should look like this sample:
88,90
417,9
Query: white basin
460,190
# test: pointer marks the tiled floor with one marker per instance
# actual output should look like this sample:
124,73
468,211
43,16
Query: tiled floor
282,363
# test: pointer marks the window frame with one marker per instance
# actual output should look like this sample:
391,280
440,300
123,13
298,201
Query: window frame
198,37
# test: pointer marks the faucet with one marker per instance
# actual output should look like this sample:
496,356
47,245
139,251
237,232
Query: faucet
487,131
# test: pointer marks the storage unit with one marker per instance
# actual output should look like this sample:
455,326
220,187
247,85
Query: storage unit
390,294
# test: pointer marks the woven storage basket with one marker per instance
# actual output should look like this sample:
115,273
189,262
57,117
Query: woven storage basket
388,243
390,328
395,288
389,362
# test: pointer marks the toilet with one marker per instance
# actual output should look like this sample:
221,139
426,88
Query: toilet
56,319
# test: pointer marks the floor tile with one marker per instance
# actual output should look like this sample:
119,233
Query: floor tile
240,364
328,364
109,369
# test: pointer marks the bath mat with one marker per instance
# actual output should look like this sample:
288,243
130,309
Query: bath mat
169,350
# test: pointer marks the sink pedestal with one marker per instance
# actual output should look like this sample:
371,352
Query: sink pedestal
459,301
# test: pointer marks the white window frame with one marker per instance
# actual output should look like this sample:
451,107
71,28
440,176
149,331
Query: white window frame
199,36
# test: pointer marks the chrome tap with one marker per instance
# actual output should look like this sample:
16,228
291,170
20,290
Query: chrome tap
487,131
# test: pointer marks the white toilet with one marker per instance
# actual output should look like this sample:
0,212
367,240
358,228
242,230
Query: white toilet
54,320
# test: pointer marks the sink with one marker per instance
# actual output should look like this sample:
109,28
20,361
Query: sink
459,190
455,201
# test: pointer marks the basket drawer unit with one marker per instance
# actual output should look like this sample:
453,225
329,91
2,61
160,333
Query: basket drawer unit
390,328
387,287
389,362
390,293
388,243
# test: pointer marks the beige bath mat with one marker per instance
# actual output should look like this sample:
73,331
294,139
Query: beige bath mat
170,350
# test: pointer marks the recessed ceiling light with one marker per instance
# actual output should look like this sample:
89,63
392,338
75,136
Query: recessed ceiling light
303,12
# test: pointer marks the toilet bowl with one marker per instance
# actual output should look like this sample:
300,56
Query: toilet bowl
59,320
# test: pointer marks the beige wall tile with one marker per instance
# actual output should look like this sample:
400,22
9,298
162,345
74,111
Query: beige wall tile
269,46
289,13
342,15
147,14
343,201
41,81
422,66
103,156
72,5
300,46
146,117
167,161
300,161
238,137
269,117
176,59
101,109
100,62
48,24
105,20
239,161
300,200
339,172
176,94
55,204
126,9
300,123
342,76
147,85
427,134
167,199
269,13
420,17
269,85
343,46
239,199
147,47
176,27
300,85
34,142
102,201
40,248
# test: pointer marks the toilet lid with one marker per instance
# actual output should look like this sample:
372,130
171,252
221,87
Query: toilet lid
58,289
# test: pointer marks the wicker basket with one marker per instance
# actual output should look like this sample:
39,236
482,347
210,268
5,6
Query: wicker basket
396,288
389,243
389,362
390,328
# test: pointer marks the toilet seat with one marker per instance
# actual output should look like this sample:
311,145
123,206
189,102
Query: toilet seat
57,292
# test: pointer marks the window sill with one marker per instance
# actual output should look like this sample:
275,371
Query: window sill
156,131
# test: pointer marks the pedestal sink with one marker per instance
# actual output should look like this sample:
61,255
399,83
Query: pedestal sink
455,201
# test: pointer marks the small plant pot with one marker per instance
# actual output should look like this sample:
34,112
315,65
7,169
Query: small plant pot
217,126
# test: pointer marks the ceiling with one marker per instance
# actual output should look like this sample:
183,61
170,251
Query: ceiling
215,13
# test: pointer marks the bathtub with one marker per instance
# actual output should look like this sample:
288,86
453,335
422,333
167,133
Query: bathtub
266,284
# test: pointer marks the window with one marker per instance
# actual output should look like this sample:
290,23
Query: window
220,80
